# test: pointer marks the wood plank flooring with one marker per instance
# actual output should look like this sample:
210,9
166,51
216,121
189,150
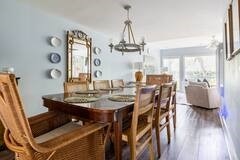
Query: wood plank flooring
198,136
6,155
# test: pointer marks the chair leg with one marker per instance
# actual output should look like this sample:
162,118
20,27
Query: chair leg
133,152
158,140
168,129
175,118
151,152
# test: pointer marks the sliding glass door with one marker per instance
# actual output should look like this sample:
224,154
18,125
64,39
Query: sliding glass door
173,66
200,67
191,68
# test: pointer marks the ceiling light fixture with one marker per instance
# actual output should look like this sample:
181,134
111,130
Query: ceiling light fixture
214,43
129,45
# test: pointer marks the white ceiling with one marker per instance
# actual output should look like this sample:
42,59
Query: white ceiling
156,20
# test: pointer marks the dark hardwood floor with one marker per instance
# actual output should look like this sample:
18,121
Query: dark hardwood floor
198,136
6,155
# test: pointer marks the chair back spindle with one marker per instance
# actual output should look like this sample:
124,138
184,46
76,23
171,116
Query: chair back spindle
75,86
117,83
101,84
164,99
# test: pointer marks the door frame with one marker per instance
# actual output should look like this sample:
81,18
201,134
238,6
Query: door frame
181,69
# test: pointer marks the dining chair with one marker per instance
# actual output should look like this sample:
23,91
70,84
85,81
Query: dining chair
101,84
75,86
139,134
83,77
158,79
174,104
162,113
49,135
117,83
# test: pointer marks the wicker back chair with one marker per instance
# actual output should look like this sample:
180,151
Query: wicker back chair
49,135
173,106
117,83
75,86
158,79
101,84
139,135
162,111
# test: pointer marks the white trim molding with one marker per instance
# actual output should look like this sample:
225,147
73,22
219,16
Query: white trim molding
228,139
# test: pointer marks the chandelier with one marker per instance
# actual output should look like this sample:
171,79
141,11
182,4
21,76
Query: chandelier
214,43
129,45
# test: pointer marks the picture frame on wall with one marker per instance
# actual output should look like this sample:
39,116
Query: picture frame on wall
229,34
235,6
225,41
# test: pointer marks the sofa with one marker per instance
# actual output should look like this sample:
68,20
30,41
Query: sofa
199,94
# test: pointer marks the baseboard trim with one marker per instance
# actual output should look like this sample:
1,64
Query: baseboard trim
228,139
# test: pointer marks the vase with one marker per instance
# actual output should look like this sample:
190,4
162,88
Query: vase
138,76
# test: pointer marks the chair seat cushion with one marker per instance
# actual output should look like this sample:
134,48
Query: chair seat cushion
57,132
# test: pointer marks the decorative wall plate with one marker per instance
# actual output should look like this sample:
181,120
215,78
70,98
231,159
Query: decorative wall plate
97,62
55,41
98,73
55,57
55,73
97,50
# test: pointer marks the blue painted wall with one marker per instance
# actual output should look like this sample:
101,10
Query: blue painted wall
24,34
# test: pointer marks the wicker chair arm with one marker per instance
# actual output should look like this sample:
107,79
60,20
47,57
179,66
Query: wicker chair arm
45,122
66,139
10,144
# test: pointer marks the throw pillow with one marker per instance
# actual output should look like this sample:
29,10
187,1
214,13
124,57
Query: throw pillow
204,80
201,84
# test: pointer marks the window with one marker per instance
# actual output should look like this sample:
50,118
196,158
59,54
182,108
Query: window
200,67
191,67
173,67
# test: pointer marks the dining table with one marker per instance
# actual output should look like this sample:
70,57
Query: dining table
103,110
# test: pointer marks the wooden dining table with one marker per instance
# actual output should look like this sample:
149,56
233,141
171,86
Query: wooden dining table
103,110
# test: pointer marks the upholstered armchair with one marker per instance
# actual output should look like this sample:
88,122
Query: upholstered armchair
198,94
47,136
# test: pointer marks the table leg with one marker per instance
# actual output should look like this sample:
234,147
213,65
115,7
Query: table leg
118,137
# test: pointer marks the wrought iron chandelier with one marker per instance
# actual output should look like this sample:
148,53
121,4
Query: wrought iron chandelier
129,45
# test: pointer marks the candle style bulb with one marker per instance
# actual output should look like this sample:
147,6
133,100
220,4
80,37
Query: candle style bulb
110,40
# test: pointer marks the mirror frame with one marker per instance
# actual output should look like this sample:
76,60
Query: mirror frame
72,36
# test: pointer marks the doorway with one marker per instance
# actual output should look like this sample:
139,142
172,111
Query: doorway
191,68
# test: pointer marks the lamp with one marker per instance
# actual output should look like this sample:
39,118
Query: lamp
138,74
129,45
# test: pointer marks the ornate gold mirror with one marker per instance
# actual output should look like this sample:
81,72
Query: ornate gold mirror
79,56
